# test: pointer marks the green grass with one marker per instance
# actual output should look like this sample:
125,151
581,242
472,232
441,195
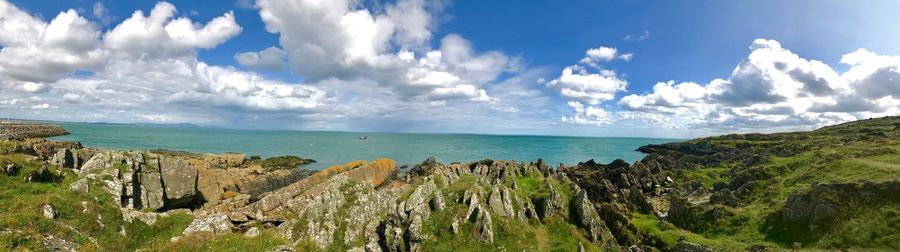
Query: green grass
267,240
80,215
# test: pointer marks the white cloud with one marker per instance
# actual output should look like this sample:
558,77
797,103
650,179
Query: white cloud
32,50
776,89
339,40
158,34
357,65
588,115
601,53
592,88
271,58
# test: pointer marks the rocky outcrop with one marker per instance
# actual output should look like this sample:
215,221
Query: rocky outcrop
586,216
179,181
213,224
19,131
501,202
807,215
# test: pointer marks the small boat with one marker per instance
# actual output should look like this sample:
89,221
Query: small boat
363,137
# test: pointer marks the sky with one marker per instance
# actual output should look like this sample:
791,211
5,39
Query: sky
675,69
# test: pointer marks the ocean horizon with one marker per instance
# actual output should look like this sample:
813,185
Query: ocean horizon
336,147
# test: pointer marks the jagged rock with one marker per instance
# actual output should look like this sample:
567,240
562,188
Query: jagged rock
152,191
685,246
807,215
484,226
10,169
214,224
586,217
500,202
414,233
40,175
129,215
63,159
437,203
180,182
364,215
454,227
53,243
49,211
580,247
425,168
551,205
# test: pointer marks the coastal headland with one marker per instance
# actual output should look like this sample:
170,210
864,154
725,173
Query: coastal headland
832,188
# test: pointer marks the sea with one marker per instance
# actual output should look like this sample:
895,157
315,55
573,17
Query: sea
330,148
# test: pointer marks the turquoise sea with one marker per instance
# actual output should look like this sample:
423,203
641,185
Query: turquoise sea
330,148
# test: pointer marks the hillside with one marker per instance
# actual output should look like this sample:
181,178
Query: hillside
832,188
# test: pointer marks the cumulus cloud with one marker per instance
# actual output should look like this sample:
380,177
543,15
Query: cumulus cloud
271,58
34,51
144,68
159,35
357,63
390,48
577,83
774,89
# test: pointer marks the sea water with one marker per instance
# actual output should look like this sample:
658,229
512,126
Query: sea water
330,148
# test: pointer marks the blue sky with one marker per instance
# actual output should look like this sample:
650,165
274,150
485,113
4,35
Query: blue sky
502,70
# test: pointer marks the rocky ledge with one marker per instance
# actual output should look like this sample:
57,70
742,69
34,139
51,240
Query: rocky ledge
19,131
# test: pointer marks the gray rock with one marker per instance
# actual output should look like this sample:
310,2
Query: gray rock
214,223
63,159
180,180
586,217
684,246
437,203
500,202
151,191
485,226
10,169
252,232
40,175
53,243
81,185
49,212
454,227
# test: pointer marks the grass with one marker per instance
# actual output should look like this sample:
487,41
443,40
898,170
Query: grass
859,151
80,216
284,162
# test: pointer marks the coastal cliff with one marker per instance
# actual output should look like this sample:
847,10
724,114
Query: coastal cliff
832,188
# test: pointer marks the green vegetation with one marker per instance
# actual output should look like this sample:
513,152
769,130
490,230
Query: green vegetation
284,163
91,220
763,170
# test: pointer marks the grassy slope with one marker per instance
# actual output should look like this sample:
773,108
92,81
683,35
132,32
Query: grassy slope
91,215
865,150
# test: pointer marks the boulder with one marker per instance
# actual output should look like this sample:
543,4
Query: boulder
484,226
81,185
53,243
685,246
437,203
10,169
214,224
252,232
40,175
63,159
500,202
151,191
180,182
49,211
